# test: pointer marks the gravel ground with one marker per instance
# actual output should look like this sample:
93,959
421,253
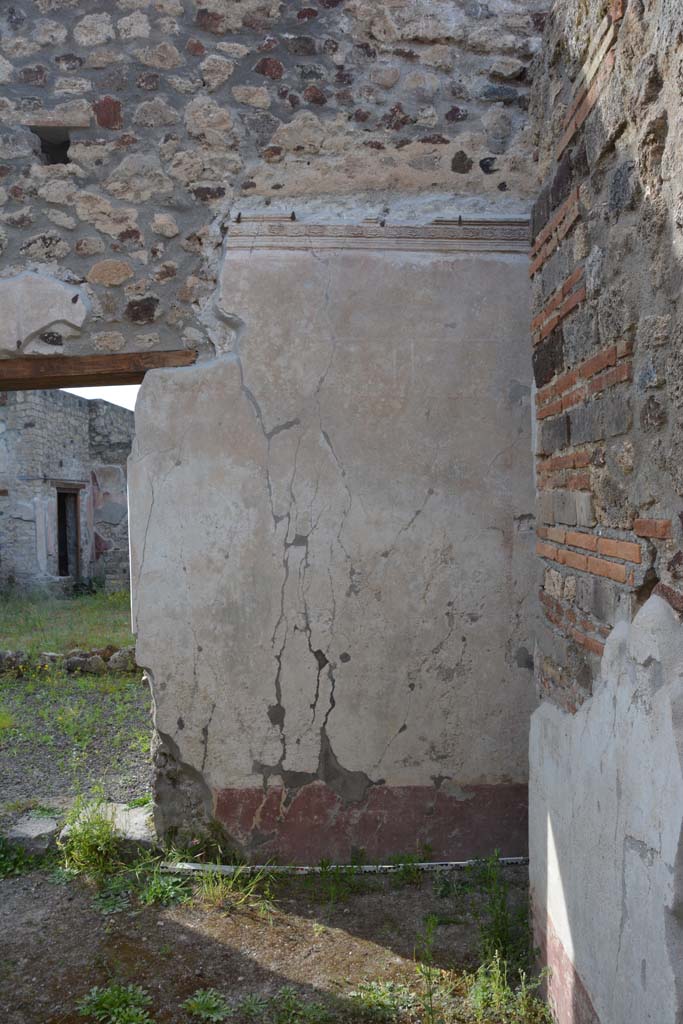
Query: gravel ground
63,735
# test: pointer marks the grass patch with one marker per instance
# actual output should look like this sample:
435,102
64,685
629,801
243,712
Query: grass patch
7,720
336,883
67,720
242,890
36,624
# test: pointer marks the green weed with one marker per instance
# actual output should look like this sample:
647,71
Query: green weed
141,801
92,846
426,971
287,1007
482,894
335,883
116,1004
162,889
114,895
494,998
408,873
14,860
253,1007
7,720
383,1000
240,890
207,1004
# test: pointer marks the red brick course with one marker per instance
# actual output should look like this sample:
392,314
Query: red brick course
659,529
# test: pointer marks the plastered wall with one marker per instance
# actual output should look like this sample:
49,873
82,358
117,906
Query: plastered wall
331,536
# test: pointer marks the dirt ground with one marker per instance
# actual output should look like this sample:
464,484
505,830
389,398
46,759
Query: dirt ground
56,943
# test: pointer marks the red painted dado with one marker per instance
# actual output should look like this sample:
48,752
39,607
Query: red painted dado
567,994
313,822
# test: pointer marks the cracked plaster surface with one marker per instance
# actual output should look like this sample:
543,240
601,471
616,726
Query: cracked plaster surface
606,820
327,557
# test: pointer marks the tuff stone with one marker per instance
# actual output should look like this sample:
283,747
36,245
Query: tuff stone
138,177
154,114
110,273
164,56
164,224
252,95
216,71
206,120
94,29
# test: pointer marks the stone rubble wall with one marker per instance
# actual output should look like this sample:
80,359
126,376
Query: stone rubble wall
179,112
607,332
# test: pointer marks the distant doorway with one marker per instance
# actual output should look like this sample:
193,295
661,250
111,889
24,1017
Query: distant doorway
68,548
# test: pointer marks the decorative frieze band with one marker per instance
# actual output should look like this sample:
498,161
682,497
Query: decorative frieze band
441,236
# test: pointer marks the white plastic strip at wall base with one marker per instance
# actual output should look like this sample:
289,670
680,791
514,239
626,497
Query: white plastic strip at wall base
316,869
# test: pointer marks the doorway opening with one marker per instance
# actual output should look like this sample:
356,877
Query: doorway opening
68,546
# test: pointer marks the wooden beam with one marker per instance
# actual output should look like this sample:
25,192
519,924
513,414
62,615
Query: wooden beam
33,373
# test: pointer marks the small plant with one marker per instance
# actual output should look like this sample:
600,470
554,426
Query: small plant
207,1004
116,1004
492,997
163,889
13,859
408,872
240,890
503,929
141,801
114,895
335,883
287,1007
92,846
253,1007
383,1000
428,972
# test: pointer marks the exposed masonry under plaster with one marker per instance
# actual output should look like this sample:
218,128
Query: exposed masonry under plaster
333,604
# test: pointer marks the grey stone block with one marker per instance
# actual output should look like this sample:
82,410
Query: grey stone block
585,512
35,835
553,434
564,507
552,645
545,507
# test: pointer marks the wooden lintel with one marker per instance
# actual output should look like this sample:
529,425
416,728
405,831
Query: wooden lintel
34,373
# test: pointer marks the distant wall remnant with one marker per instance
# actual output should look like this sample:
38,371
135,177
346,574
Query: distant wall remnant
607,333
63,496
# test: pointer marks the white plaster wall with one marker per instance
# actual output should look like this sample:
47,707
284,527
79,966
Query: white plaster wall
353,479
606,810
